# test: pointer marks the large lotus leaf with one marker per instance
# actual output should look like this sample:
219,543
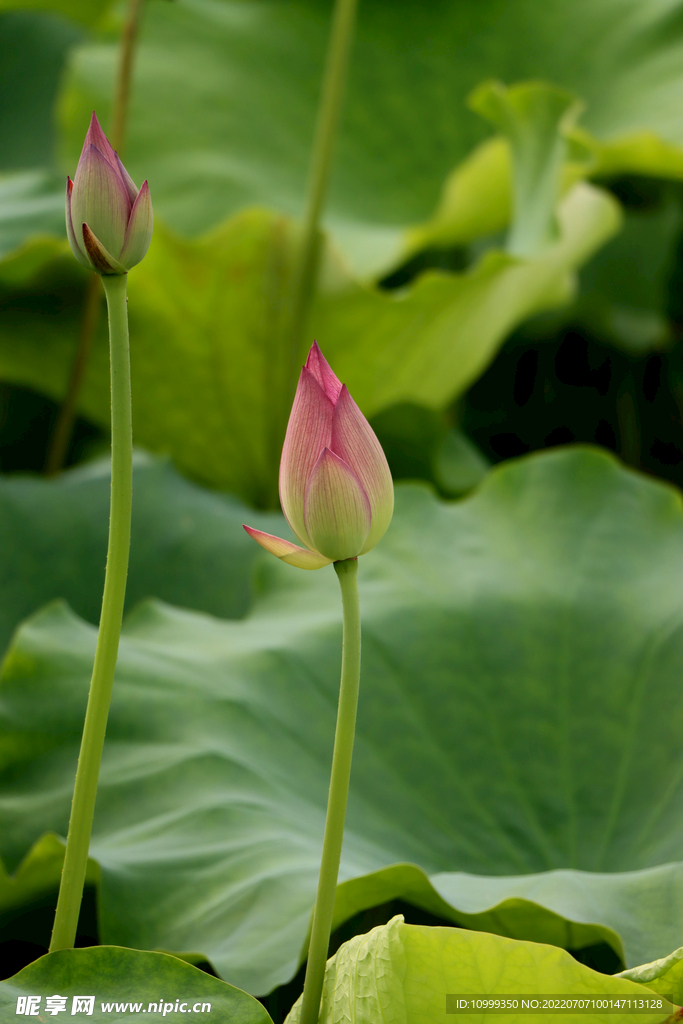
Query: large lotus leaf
29,205
89,12
226,92
124,983
33,48
187,543
212,379
664,975
518,735
412,974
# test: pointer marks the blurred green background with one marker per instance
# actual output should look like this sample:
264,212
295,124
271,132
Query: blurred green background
501,273
222,110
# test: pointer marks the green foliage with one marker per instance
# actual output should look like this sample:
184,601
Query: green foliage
187,546
88,12
225,97
541,617
38,874
535,119
33,48
126,976
212,378
518,761
403,973
664,976
29,205
625,288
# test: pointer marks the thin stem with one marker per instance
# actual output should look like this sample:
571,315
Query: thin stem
331,97
119,118
62,433
347,571
64,424
87,773
307,255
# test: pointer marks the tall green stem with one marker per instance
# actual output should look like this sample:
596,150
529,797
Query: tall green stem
87,773
331,97
307,254
347,571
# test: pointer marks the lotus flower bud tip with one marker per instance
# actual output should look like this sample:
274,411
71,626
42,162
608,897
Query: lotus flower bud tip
108,219
336,489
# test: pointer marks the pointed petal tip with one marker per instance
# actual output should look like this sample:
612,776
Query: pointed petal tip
96,137
323,372
313,353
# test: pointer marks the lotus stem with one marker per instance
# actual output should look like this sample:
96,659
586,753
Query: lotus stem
347,571
307,255
99,697
119,120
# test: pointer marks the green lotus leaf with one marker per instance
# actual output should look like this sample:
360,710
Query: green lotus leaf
664,975
187,544
518,734
33,49
212,376
412,974
87,12
226,93
124,984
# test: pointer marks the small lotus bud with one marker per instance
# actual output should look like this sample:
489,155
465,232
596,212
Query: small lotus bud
335,485
108,219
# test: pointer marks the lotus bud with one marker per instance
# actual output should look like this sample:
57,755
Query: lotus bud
335,485
108,219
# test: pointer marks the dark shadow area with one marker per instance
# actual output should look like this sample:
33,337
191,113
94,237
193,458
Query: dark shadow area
26,422
571,388
25,934
452,260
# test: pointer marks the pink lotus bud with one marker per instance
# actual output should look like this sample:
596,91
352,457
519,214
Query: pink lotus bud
335,485
108,219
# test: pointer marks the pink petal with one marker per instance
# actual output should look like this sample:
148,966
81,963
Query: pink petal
101,260
139,230
96,137
288,552
75,248
354,441
131,187
323,373
336,508
309,431
99,198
